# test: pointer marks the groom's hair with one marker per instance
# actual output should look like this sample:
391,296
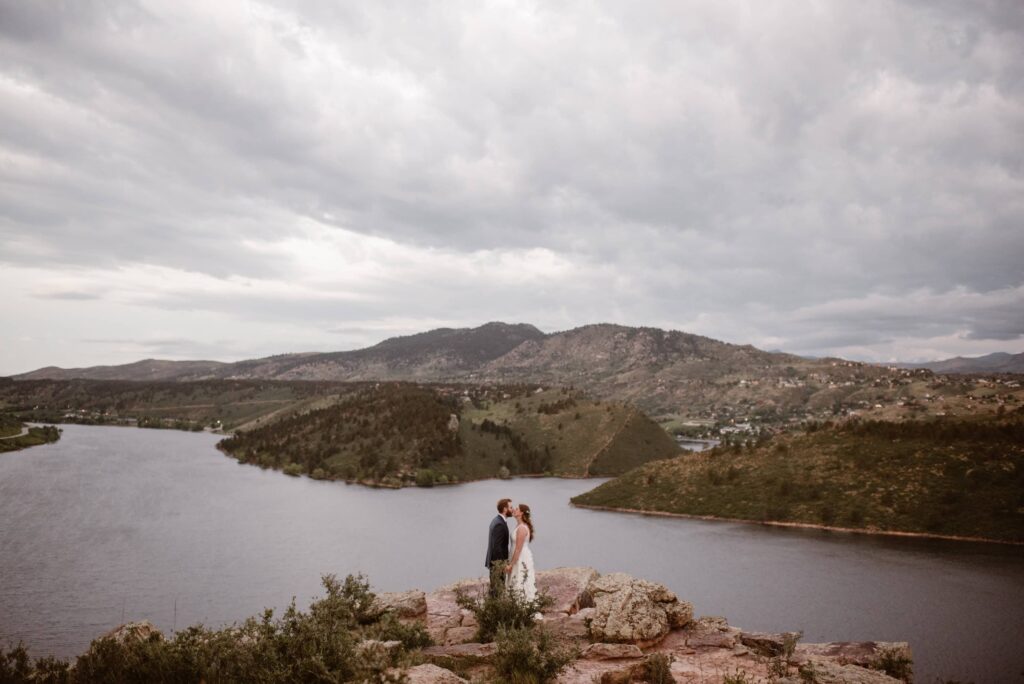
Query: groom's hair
503,504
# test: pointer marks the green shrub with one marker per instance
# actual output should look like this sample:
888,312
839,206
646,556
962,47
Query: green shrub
894,662
808,673
658,669
737,677
425,477
321,645
502,609
293,469
529,656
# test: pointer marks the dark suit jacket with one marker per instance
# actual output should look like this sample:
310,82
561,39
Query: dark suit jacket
497,541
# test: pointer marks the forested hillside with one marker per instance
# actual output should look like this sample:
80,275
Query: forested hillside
946,476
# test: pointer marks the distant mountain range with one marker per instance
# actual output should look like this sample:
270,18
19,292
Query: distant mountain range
661,371
999,362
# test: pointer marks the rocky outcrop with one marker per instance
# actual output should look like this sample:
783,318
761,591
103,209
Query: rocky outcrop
769,645
633,610
431,674
134,631
404,604
611,651
623,626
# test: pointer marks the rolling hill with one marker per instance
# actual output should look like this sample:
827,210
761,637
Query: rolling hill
947,477
397,434
999,362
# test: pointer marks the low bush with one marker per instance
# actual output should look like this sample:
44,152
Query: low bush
502,609
895,663
320,645
527,655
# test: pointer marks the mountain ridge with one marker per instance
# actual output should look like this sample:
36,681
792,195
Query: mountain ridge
996,362
663,372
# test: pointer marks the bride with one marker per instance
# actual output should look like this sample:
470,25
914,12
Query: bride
523,579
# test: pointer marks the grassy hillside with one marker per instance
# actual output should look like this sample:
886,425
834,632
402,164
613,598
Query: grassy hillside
13,436
225,404
959,477
400,433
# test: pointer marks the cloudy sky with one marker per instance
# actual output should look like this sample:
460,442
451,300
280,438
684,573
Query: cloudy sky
233,179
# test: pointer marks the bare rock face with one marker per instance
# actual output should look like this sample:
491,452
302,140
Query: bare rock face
826,671
611,651
404,604
447,622
863,653
568,587
431,674
631,610
768,644
133,631
460,655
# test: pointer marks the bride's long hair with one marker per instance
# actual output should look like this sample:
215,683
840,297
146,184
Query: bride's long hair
526,518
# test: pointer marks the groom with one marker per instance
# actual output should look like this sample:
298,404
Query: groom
497,544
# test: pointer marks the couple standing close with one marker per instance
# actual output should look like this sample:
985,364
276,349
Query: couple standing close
519,576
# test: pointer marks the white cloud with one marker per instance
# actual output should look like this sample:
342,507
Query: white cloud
773,173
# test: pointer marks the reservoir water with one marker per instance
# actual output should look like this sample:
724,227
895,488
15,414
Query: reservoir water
116,524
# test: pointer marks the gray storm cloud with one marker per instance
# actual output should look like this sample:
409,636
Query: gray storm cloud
837,178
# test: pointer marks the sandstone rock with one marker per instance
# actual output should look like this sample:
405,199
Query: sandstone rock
568,588
404,604
569,626
442,611
707,623
632,610
711,640
680,614
459,635
134,631
611,651
862,653
457,655
828,671
768,644
431,674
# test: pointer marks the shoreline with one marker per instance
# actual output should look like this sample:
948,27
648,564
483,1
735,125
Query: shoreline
813,526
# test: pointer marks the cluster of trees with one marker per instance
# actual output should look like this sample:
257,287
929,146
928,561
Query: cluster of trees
524,458
384,431
1007,427
554,407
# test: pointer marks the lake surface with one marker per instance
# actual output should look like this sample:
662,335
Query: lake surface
114,524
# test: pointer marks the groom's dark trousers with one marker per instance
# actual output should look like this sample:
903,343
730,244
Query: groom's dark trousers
497,550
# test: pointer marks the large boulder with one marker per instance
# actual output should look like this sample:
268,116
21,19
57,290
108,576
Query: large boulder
567,587
428,673
826,671
460,656
611,652
404,604
444,615
769,644
131,632
631,610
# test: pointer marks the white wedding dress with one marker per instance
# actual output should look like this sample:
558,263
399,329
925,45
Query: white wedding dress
524,580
